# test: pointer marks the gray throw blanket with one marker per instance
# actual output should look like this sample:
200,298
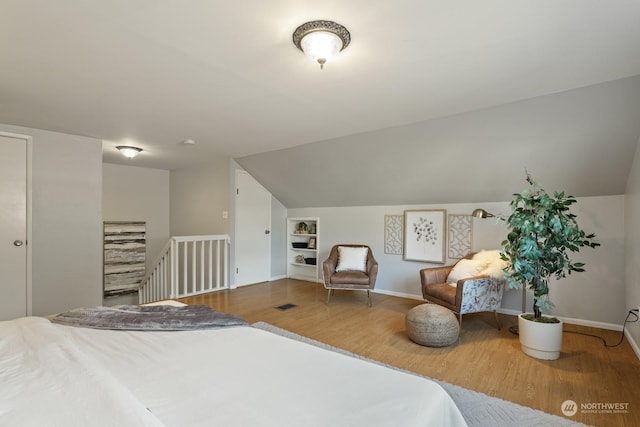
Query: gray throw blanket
148,318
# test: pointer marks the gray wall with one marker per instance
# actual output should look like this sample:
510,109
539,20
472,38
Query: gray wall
66,220
575,297
137,194
67,186
278,239
199,195
632,248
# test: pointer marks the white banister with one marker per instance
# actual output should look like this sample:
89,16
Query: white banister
187,266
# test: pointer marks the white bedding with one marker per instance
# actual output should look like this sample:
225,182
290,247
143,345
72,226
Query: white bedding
241,376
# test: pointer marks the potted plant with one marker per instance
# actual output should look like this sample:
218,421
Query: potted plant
542,233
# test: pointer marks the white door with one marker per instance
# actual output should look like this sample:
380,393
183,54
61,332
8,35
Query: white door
13,227
252,231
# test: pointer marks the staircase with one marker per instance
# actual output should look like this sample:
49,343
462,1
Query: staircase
187,266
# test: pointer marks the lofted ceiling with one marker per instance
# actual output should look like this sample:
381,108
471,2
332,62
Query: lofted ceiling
581,141
423,83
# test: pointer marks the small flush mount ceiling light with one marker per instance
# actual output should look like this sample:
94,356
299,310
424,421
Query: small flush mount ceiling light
321,40
128,151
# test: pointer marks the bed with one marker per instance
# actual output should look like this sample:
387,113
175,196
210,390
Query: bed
53,374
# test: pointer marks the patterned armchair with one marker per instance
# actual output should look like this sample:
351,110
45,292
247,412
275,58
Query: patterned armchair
469,295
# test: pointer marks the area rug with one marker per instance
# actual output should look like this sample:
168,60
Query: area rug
478,409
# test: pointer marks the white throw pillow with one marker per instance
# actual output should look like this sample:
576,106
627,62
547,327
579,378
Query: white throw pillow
465,268
487,255
352,259
494,266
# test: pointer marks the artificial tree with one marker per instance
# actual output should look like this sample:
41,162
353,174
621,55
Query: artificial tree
542,233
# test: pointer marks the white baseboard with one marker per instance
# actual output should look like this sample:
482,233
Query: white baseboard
283,276
397,294
600,325
632,343
581,322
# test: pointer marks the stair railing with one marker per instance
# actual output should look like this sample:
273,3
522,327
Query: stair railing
187,266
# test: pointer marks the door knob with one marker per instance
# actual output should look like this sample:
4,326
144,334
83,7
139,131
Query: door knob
18,243
267,231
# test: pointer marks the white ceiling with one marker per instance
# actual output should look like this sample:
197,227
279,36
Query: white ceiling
226,74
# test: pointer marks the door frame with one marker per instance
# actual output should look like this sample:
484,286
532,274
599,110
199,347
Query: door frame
28,274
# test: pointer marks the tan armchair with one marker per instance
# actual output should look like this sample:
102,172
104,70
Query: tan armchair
470,295
351,279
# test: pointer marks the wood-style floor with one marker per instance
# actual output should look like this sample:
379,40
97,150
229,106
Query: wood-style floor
485,359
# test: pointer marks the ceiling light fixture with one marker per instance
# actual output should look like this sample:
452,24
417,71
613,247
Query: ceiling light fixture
321,40
128,151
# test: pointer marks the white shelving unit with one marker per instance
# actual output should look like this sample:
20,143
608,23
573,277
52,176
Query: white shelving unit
299,254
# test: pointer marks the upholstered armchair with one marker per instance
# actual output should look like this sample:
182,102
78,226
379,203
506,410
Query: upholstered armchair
472,294
350,267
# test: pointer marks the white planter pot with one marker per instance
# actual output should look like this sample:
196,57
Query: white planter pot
540,340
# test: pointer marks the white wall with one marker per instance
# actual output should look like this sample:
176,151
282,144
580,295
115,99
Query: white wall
67,220
199,195
131,193
632,247
575,297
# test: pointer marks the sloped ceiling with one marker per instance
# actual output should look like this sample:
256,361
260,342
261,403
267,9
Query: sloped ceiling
580,141
486,83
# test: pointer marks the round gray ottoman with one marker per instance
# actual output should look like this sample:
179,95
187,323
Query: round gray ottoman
432,325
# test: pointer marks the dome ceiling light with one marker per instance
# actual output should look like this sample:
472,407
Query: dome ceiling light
128,151
321,40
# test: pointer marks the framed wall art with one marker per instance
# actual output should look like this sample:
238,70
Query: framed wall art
425,235
312,243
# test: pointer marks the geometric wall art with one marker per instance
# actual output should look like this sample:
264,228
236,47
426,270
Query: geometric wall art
460,235
124,256
393,234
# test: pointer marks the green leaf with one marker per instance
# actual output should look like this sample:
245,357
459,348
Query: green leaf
541,232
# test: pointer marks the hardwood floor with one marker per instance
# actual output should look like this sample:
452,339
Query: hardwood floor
485,359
